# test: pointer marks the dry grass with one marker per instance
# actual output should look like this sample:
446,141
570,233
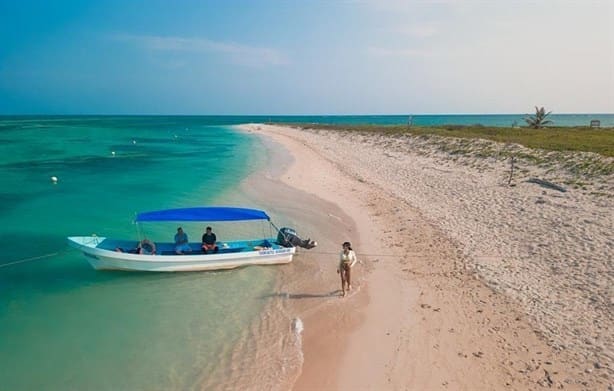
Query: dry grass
579,139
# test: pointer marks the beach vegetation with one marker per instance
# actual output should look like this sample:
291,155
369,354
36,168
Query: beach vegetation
538,120
573,139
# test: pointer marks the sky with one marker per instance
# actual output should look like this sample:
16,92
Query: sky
306,57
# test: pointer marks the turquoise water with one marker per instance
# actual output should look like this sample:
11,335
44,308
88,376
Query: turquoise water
503,120
64,325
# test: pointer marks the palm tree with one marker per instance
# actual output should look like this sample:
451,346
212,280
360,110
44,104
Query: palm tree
539,119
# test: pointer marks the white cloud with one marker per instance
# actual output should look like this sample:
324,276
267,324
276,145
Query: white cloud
419,31
236,53
404,5
399,53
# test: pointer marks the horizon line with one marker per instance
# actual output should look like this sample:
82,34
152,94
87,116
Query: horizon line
281,115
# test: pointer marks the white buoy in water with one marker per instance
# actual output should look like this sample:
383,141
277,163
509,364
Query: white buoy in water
133,141
113,153
54,179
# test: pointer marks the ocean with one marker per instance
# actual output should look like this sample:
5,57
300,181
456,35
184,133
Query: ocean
64,325
497,120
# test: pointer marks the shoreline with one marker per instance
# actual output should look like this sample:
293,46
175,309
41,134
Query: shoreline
305,288
322,316
376,350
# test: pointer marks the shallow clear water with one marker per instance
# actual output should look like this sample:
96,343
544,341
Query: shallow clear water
64,325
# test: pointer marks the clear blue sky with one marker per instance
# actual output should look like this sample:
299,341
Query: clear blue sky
305,57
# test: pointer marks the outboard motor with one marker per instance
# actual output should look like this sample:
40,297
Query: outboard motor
287,237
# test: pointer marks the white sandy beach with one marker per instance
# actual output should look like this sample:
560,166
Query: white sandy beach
465,282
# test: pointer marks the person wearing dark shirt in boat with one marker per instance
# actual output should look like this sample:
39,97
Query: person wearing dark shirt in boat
209,240
181,242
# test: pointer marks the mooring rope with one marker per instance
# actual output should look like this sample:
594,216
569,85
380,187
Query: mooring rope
31,259
357,254
411,254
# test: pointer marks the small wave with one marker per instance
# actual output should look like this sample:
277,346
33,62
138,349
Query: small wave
297,326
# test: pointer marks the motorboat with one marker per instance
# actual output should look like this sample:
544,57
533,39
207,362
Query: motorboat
145,255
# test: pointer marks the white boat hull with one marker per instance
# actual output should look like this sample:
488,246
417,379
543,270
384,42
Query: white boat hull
105,259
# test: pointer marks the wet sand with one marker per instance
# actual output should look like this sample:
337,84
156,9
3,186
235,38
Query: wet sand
421,314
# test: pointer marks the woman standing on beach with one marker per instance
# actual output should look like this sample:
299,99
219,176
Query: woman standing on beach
347,259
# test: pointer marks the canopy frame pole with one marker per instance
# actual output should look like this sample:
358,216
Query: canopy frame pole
274,226
138,229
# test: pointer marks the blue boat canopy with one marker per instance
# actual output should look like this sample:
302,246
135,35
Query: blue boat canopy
212,213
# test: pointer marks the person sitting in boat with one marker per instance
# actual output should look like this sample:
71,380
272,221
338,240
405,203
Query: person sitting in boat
145,246
181,242
209,241
136,250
